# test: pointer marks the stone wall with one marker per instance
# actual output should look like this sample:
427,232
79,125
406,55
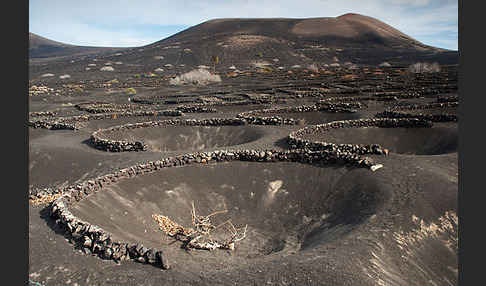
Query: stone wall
453,98
99,142
377,97
52,125
296,142
42,113
101,107
254,116
407,111
69,122
434,105
195,109
94,240
430,117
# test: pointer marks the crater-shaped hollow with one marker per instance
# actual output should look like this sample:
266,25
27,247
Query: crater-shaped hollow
319,117
193,138
288,207
95,124
313,117
442,138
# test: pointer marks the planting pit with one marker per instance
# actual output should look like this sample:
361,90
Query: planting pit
288,207
93,125
442,138
318,117
193,138
239,108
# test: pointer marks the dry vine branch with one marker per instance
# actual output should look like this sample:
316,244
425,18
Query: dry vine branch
199,237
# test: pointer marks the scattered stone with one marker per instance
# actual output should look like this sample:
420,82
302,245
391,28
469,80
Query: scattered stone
376,167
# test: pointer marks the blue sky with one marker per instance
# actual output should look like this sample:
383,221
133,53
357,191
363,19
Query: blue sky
131,23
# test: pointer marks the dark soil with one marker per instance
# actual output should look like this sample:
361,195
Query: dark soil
328,225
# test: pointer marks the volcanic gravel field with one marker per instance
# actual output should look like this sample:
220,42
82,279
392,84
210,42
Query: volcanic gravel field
375,205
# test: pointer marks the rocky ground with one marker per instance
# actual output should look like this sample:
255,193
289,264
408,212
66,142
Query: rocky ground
396,225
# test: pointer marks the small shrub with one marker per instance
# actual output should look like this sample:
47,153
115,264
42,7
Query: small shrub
424,68
260,64
199,77
267,69
131,91
313,67
107,68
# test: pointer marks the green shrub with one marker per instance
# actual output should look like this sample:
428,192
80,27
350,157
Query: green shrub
131,91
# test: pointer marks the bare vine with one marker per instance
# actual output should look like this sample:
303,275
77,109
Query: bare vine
200,236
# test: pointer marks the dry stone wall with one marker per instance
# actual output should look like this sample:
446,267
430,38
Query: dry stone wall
196,109
408,111
296,141
42,113
101,107
255,116
98,140
96,241
70,122
443,99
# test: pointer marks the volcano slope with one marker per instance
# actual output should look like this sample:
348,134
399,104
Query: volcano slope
241,44
376,205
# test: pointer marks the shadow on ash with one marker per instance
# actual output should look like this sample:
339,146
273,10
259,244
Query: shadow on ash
275,209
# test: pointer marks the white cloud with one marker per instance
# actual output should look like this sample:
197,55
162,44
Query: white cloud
411,2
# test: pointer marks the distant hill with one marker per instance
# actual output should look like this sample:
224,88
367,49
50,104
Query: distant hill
247,43
40,47
347,38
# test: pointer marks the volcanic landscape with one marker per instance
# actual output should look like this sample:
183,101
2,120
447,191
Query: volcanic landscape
319,151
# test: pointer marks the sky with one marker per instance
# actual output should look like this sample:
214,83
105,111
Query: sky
131,23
